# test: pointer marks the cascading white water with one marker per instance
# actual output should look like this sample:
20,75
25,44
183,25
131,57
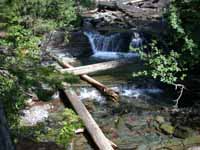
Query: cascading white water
104,43
110,47
124,90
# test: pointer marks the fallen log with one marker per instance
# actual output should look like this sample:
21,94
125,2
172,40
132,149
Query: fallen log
95,67
109,93
96,133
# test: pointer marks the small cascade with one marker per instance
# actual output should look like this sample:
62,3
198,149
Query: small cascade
99,42
115,46
136,41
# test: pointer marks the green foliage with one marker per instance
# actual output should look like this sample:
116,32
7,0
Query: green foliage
184,21
172,66
163,66
70,125
21,71
63,132
62,12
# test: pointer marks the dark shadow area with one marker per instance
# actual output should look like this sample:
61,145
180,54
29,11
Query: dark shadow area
64,99
27,144
90,140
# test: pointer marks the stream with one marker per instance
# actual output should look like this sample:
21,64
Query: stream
144,104
125,124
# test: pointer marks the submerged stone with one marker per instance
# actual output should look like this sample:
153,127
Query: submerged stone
183,132
167,128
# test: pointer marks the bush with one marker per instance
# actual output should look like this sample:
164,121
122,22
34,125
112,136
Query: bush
183,54
21,71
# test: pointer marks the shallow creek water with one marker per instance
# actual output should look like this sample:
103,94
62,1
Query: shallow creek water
131,124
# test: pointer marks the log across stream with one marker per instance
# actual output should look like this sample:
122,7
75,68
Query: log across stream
111,94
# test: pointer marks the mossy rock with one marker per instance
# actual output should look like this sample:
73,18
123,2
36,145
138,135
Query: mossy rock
167,128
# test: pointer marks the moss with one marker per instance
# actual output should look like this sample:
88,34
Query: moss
167,128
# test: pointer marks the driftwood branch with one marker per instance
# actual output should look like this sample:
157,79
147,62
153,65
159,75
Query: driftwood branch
111,94
182,87
96,133
96,67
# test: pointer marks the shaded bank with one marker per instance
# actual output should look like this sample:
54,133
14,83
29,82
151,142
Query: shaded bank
5,140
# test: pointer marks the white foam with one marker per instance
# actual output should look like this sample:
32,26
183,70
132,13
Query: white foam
127,91
113,55
93,94
138,92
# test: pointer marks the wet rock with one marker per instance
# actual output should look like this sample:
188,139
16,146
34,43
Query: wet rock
89,105
69,43
57,38
183,132
78,46
167,128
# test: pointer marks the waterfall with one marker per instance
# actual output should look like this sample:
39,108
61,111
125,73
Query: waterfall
104,43
114,46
